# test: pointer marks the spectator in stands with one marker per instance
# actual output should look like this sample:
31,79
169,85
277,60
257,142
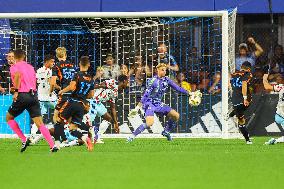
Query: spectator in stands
139,71
166,58
184,84
277,63
244,54
5,79
111,69
124,70
215,84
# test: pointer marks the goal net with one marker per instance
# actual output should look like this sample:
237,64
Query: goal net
201,43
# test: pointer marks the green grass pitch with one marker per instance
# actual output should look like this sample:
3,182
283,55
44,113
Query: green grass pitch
145,163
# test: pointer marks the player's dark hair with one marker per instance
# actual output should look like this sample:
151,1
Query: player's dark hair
19,54
84,61
48,57
246,65
122,78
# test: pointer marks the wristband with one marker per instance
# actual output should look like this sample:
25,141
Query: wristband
245,97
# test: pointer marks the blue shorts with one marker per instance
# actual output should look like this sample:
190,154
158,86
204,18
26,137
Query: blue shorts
279,119
160,109
96,109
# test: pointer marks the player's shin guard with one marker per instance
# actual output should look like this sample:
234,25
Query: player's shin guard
139,129
59,132
15,127
45,133
244,132
170,125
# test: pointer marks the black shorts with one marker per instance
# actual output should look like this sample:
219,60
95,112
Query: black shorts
239,110
25,101
74,110
61,101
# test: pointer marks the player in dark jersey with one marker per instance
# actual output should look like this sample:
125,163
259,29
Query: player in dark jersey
241,96
62,74
82,87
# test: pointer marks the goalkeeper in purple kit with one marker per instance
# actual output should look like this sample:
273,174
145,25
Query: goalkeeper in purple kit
152,103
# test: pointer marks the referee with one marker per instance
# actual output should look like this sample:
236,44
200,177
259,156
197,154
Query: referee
24,80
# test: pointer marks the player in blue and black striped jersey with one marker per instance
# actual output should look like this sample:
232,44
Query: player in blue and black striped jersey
82,87
241,97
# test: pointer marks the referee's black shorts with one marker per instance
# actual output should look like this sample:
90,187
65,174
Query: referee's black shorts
25,101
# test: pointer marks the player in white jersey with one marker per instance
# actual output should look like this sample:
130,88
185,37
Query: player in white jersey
279,115
107,93
46,100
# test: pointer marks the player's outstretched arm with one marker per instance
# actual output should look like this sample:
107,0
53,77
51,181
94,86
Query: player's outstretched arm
177,88
91,94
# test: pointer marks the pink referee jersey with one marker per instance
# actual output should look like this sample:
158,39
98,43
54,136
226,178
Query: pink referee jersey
28,76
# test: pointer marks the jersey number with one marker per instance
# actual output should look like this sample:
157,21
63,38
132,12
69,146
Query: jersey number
84,88
68,73
236,82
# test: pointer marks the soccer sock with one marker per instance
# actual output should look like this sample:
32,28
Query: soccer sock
45,132
244,132
140,129
103,126
15,127
59,132
170,125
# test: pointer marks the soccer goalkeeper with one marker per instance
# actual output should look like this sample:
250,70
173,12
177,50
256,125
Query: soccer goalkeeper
152,103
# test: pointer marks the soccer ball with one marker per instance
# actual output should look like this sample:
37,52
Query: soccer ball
195,98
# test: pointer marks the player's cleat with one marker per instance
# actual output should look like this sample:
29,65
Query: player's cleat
249,142
167,135
271,141
89,144
25,145
100,141
130,139
54,149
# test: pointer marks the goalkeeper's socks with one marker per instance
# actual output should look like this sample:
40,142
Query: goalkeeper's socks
45,133
170,125
244,132
139,129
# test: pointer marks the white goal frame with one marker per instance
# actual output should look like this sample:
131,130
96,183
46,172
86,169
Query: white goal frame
224,14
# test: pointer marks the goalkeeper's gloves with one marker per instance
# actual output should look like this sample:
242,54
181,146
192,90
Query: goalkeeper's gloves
134,112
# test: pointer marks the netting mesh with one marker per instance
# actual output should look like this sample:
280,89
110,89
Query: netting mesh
194,42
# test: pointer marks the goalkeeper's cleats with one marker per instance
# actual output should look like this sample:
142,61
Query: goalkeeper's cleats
100,141
271,141
25,144
167,135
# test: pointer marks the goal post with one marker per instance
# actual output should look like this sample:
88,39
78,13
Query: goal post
201,42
